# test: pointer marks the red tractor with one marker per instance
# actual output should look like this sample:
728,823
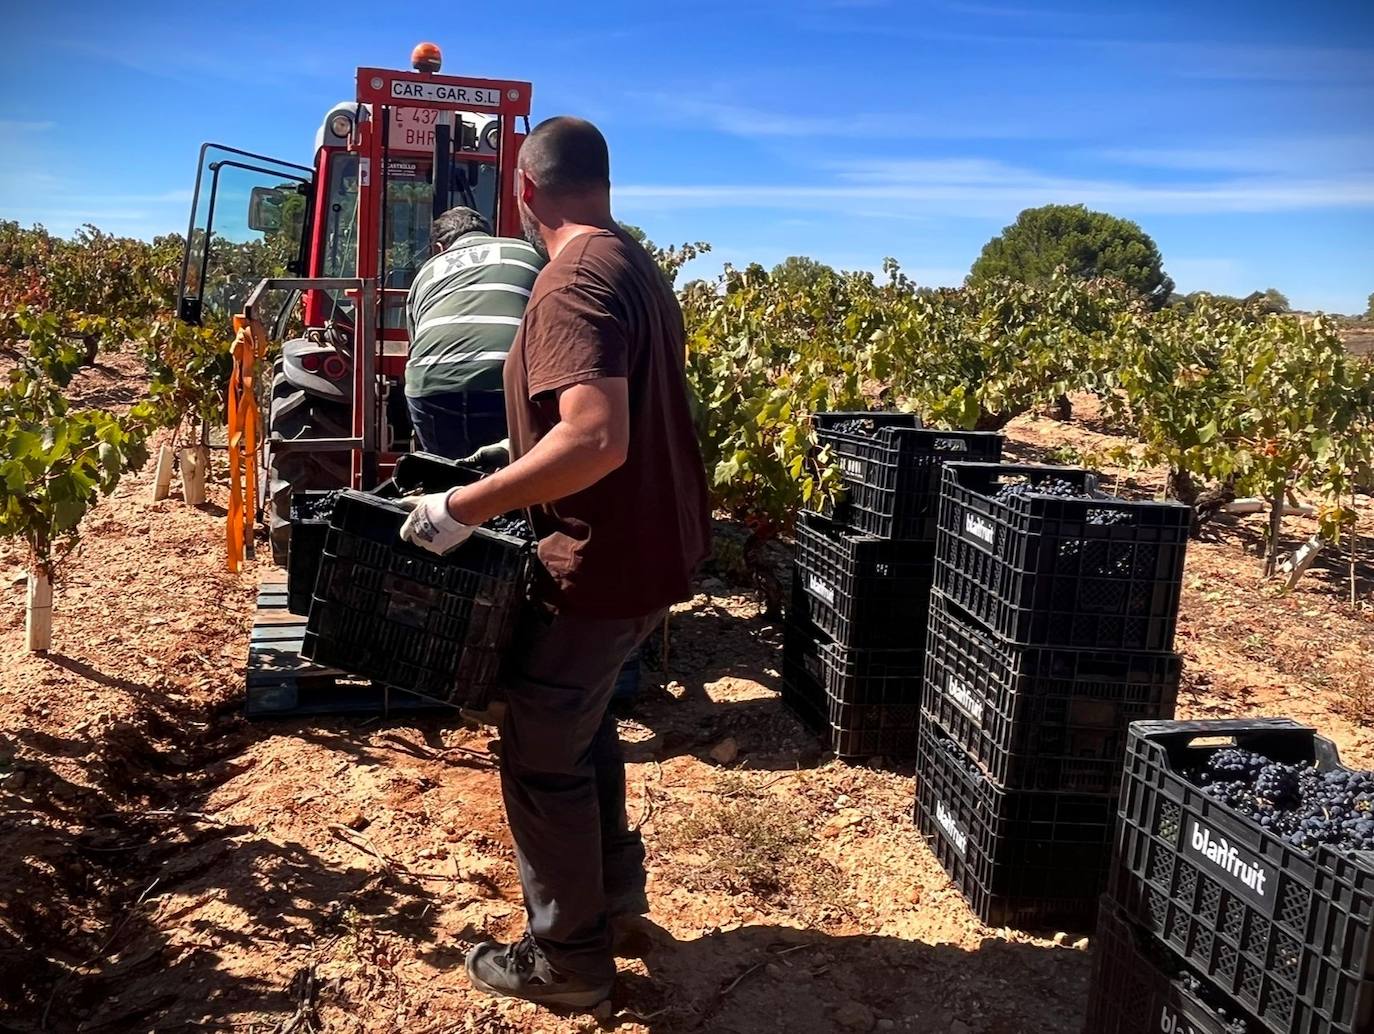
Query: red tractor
321,257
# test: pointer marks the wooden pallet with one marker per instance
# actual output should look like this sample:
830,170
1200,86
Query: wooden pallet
281,683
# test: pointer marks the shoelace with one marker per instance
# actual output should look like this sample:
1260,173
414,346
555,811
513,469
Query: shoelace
522,955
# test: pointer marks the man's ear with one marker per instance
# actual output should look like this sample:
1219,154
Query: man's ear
524,186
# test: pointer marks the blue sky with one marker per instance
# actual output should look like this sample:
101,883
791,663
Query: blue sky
1240,135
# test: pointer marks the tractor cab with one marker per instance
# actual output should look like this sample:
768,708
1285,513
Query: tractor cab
314,262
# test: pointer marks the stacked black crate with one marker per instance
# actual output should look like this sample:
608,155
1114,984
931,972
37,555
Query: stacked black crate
856,631
1051,629
1242,897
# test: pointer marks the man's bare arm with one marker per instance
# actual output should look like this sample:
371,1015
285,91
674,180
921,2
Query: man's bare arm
591,439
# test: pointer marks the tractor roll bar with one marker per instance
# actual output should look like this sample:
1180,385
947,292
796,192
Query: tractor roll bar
364,355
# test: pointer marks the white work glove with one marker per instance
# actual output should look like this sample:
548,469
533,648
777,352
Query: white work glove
490,457
430,526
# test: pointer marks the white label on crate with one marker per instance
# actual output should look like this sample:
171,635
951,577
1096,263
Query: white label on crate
1240,871
1171,1022
979,529
946,820
820,589
850,465
951,445
962,696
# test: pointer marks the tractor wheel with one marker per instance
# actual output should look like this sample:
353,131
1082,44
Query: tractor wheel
294,416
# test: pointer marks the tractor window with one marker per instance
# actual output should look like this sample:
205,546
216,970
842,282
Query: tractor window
341,225
410,212
249,217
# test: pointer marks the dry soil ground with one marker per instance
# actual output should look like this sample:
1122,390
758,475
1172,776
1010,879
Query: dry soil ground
170,866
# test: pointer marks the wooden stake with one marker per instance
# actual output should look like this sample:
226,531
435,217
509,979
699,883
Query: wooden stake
162,481
194,460
38,614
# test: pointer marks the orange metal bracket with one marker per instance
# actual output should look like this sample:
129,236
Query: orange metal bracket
249,350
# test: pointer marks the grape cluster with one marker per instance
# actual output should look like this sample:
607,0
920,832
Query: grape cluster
1296,802
859,426
960,757
1056,487
1236,765
320,509
1209,996
512,524
1059,488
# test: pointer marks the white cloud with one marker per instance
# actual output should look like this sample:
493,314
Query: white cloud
1279,154
841,127
990,189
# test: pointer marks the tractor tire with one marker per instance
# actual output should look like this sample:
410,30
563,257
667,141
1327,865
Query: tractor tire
293,415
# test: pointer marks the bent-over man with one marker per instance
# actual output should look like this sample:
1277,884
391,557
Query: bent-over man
463,310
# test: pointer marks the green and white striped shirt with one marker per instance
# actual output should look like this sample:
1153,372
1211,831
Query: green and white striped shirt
463,310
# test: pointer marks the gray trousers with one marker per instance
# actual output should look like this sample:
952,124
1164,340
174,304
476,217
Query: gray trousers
563,781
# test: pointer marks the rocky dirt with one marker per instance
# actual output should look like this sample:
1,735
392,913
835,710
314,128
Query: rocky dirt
170,866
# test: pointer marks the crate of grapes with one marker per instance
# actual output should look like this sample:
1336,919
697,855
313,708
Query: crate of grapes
310,510
864,703
1139,987
1245,847
401,616
1042,556
1041,717
1024,859
864,591
890,467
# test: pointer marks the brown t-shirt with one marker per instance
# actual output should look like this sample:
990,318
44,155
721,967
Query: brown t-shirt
629,544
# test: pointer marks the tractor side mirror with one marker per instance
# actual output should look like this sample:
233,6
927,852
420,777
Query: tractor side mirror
265,209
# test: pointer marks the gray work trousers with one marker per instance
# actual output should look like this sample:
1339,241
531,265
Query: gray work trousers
563,781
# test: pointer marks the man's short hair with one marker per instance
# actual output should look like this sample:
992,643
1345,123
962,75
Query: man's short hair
456,222
566,155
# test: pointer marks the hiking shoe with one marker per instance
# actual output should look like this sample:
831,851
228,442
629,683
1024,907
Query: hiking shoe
520,970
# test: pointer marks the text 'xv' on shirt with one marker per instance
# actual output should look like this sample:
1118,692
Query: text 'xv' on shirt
463,311
628,545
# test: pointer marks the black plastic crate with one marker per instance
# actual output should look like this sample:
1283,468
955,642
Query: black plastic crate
861,590
892,476
426,472
802,690
1140,988
864,703
1286,933
399,615
1024,859
303,549
1041,717
1099,574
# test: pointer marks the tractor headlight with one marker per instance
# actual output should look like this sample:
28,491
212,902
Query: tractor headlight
341,125
491,136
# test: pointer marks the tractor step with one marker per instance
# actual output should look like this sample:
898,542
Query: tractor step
282,684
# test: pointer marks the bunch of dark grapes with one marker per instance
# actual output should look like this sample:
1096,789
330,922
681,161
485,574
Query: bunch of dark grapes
512,524
859,426
320,509
961,758
1297,802
1281,785
1235,764
1108,518
1056,487
1194,986
1062,489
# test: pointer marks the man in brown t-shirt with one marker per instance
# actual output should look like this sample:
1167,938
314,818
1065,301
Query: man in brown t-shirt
605,458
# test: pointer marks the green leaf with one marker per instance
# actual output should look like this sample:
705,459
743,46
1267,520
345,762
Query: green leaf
66,513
